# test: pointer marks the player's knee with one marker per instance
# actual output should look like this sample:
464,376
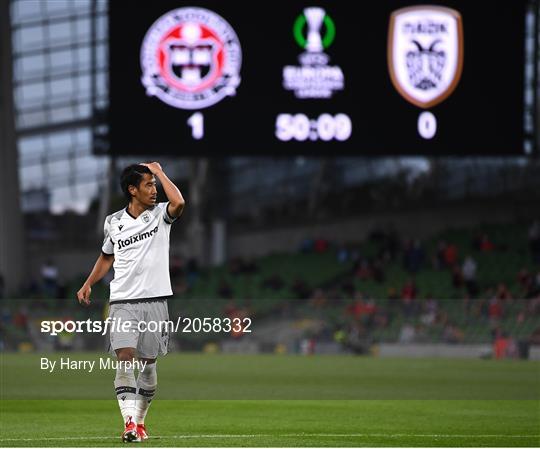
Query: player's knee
149,374
125,354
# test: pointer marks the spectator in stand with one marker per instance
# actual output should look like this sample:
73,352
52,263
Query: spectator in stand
355,308
475,243
5,315
438,261
391,243
250,267
318,298
504,346
469,276
457,277
387,241
467,302
235,266
343,254
495,310
230,310
408,296
334,295
535,287
356,259
529,309
61,294
525,281
233,311
20,318
177,266
178,278
500,343
225,290
453,334
348,288
354,255
407,333
273,282
301,289
413,256
532,308
429,311
378,270
392,294
534,339
530,284
32,288
450,255
321,245
49,278
410,333
481,305
486,244
380,316
357,338
407,253
534,241
363,310
503,293
394,302
307,245
409,291
2,286
364,271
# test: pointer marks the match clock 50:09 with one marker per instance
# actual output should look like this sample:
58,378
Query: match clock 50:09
325,127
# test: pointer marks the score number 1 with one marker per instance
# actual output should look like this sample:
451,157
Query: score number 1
196,121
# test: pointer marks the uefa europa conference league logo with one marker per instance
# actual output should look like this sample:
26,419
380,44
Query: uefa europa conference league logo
314,31
425,58
191,59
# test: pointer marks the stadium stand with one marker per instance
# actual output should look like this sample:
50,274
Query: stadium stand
461,286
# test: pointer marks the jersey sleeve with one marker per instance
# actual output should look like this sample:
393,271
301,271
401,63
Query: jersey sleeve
166,217
108,245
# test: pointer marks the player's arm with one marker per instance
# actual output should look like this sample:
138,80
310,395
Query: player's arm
101,268
176,200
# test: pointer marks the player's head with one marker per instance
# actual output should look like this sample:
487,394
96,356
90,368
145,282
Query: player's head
138,183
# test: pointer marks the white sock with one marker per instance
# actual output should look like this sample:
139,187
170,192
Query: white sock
125,387
146,389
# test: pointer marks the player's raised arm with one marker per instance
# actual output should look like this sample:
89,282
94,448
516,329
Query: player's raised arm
101,267
176,200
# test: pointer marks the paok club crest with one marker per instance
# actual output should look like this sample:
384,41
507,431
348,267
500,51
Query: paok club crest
425,53
191,59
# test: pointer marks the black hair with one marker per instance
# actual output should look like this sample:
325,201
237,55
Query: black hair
132,176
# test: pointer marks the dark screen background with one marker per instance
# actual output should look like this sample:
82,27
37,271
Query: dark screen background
484,115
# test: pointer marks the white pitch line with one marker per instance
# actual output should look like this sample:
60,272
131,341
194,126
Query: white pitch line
288,435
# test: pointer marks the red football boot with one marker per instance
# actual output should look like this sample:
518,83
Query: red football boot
130,434
141,430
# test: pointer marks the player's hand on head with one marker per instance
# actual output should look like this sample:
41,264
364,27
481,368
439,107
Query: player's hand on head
83,295
154,167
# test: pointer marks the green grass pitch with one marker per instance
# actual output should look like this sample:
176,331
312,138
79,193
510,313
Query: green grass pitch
269,401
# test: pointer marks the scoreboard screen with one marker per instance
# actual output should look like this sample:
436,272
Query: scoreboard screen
321,78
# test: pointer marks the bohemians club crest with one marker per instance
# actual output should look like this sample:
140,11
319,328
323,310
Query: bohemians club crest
191,59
